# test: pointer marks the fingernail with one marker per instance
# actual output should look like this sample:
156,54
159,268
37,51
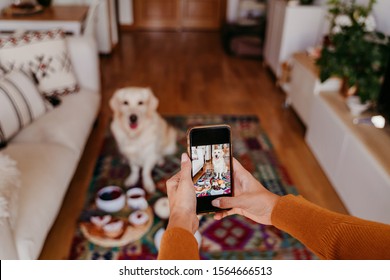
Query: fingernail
184,158
216,202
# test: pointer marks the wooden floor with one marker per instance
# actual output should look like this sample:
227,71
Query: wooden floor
190,74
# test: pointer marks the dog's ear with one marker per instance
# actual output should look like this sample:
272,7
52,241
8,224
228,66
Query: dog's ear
114,104
153,101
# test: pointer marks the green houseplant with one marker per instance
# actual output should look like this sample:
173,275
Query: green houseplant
353,50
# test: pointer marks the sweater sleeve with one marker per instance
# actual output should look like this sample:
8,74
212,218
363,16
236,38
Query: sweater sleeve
331,235
178,244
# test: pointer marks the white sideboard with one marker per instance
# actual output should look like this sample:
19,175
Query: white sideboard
356,158
291,29
304,84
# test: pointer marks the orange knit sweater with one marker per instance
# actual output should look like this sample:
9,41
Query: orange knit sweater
329,235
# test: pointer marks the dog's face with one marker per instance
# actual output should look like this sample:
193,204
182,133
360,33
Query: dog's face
217,154
133,107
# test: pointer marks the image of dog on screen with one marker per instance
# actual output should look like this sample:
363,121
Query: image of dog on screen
211,169
219,164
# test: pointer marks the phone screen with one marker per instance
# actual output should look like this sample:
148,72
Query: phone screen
211,159
211,169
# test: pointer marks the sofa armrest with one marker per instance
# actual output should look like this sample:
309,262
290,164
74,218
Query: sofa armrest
85,60
7,241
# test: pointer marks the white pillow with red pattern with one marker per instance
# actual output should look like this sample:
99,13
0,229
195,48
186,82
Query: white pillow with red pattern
44,55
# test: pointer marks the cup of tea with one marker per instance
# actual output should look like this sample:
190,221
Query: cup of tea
136,199
110,199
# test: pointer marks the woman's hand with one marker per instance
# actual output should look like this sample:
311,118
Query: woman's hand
182,198
251,199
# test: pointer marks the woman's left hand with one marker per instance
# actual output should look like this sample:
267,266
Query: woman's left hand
182,198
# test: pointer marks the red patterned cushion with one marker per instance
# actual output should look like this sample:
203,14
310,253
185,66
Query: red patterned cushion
45,56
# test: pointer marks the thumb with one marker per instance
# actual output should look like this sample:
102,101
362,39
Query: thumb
227,202
185,172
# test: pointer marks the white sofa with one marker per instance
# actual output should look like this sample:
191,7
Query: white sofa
47,153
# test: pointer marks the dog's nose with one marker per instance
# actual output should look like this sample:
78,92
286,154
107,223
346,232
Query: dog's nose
133,118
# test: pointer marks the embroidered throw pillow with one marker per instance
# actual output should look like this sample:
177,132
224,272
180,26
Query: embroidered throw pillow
20,104
45,56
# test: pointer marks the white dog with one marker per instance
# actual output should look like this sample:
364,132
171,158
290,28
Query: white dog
219,163
142,135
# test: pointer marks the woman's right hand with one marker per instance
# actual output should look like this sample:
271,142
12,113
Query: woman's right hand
251,199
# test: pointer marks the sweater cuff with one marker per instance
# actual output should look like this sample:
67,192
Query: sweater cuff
303,220
178,244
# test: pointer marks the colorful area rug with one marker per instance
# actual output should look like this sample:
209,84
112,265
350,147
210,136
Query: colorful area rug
234,237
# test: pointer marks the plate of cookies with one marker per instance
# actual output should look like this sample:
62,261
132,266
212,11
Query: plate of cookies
111,231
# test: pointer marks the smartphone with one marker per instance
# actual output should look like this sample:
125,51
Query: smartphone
210,151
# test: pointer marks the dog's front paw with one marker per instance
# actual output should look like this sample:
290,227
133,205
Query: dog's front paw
131,180
149,185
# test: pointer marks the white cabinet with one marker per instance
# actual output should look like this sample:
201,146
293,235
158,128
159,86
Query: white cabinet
361,182
304,83
291,29
326,137
302,90
356,159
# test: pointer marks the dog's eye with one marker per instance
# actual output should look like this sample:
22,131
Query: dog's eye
141,103
125,103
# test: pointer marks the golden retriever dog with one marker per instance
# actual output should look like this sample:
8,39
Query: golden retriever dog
219,164
142,135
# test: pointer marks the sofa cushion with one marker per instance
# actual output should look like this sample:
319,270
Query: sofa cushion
46,171
69,124
45,55
20,104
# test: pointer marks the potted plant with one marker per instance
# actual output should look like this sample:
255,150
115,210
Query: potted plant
354,50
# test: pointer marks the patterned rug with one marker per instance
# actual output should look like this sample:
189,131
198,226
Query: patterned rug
234,237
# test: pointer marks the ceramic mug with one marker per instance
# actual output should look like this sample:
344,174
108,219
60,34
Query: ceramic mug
110,199
136,199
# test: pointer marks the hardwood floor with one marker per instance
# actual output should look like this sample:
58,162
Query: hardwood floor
190,74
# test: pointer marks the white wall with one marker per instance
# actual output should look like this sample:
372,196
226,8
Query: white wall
4,3
381,13
125,12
